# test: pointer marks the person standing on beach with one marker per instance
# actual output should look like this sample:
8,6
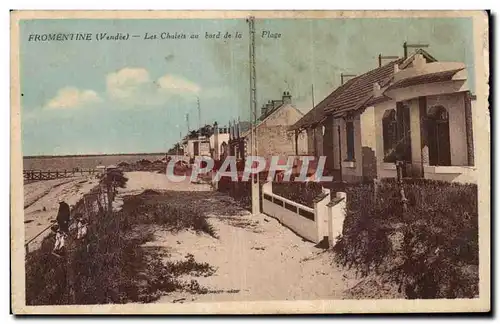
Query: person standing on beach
63,216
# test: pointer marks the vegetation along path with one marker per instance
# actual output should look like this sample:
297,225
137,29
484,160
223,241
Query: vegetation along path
252,257
180,242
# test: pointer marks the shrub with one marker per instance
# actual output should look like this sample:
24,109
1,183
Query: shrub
429,251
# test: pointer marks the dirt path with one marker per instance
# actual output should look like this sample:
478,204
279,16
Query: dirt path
255,257
41,202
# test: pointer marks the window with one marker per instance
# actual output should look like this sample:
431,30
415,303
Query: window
389,130
396,134
349,128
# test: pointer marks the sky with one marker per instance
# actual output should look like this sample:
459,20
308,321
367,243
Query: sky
132,96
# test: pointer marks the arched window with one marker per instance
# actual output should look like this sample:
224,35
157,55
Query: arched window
396,134
438,129
389,130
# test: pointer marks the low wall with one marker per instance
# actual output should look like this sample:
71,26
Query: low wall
299,218
325,220
460,174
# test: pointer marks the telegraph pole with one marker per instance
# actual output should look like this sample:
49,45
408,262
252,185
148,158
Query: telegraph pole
179,144
187,122
253,116
312,94
199,114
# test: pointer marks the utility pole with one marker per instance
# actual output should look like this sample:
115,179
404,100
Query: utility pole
312,94
179,144
187,122
199,115
253,115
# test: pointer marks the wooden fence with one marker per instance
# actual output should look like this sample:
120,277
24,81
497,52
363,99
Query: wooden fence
50,175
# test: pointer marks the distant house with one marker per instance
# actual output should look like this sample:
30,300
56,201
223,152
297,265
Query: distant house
197,142
413,109
218,141
273,137
195,146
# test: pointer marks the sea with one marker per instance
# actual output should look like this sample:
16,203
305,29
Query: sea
70,162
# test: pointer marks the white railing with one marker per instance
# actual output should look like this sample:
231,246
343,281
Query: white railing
325,220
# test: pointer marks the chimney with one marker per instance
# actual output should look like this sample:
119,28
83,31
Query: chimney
263,110
396,68
287,98
269,106
277,103
376,89
419,60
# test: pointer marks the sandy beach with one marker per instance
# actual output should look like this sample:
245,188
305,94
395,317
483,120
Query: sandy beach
41,202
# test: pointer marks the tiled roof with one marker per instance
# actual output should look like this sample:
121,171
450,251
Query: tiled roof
316,114
357,92
361,90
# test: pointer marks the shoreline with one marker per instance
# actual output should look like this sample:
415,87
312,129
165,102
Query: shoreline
88,155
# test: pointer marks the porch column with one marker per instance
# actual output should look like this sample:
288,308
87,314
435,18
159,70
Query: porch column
310,141
424,140
468,128
415,135
296,133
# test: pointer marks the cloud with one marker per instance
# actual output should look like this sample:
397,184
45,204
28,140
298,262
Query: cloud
71,97
177,85
134,86
127,83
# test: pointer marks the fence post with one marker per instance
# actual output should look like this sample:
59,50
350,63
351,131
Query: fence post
376,183
399,169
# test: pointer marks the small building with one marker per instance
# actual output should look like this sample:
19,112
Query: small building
414,109
273,136
218,140
196,144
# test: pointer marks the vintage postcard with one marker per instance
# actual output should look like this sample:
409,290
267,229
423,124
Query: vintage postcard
232,162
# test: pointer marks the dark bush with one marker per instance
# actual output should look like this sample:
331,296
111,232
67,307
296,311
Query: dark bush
430,250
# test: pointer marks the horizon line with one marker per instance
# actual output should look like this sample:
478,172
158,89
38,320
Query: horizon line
91,154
